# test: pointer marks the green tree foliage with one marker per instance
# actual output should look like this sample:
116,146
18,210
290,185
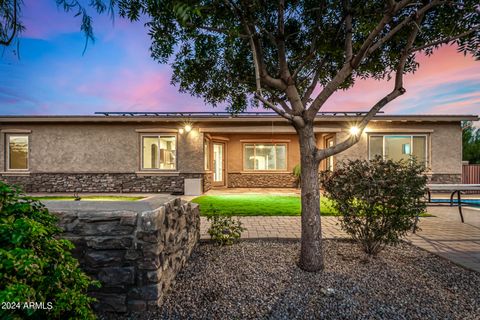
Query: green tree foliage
11,24
37,266
293,55
471,143
379,199
208,42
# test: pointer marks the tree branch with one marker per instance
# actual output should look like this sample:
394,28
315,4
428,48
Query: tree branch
401,25
353,139
256,48
279,100
348,32
313,84
445,40
216,30
305,61
348,67
14,26
261,72
282,56
397,91
387,17
270,105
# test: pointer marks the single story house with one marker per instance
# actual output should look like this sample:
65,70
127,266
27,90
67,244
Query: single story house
168,152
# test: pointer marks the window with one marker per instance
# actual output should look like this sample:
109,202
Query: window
206,152
329,143
17,152
399,147
159,152
264,156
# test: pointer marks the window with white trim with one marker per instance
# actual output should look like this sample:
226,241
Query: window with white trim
206,154
399,147
17,152
264,156
159,152
329,143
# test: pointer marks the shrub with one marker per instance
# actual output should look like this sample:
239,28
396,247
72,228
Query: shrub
36,266
379,199
224,230
297,173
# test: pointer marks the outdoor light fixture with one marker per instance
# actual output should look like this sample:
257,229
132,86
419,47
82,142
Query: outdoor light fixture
185,127
354,131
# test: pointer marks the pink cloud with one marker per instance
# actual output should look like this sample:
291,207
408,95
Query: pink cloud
141,90
445,67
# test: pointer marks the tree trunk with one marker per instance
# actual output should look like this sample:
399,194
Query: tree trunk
311,255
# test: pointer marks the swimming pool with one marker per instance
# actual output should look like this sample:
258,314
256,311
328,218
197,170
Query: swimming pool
472,202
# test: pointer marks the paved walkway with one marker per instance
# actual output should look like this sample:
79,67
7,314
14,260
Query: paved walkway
278,228
453,240
458,242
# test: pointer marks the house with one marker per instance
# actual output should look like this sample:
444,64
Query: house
161,152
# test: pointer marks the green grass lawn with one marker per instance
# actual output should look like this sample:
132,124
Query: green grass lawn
257,205
89,198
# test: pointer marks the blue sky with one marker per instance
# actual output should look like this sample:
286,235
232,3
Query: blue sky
51,76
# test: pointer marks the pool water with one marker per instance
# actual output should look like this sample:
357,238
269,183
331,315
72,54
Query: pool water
472,202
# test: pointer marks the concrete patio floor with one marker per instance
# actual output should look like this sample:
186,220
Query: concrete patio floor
442,235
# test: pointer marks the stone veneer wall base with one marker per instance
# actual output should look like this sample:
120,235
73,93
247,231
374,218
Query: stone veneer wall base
261,180
135,249
100,182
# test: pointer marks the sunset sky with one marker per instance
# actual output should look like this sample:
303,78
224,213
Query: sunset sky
116,73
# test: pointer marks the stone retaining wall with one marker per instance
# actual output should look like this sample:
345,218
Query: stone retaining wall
261,180
135,249
100,182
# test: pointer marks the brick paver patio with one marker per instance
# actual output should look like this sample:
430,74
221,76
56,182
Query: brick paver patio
278,227
458,242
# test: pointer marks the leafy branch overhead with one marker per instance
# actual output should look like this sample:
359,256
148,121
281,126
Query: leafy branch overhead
291,56
11,25
279,52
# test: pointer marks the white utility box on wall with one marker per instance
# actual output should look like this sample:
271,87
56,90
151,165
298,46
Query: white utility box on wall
193,187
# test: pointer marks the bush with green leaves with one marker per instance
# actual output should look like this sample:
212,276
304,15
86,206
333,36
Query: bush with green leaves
297,173
224,230
379,199
35,265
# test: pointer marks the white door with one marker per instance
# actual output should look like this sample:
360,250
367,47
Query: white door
218,164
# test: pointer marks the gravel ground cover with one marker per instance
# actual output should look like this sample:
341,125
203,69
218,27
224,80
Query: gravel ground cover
259,280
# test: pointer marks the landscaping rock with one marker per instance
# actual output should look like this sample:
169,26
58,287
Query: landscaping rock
260,280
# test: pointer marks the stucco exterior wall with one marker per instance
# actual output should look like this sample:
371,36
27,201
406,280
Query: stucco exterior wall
444,143
99,148
235,148
190,152
114,148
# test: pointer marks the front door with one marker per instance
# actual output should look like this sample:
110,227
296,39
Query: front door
219,164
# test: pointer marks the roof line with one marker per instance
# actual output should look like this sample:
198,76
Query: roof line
224,114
